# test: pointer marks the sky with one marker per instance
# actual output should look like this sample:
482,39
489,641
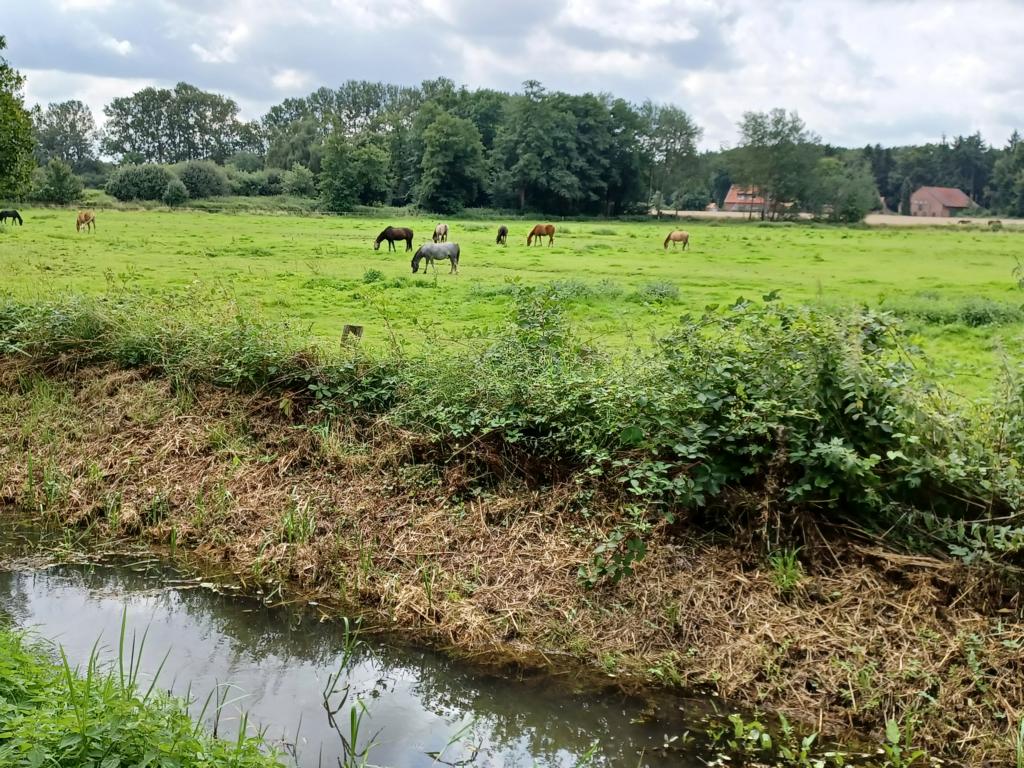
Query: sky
857,71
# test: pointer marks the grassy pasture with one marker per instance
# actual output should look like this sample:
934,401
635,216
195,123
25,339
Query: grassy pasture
323,272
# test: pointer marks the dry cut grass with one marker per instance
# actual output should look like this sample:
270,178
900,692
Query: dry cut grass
438,548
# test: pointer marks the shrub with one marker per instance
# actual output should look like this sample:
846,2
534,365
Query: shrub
203,178
176,193
57,184
299,181
659,292
138,182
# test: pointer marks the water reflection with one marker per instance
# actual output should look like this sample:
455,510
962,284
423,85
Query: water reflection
279,662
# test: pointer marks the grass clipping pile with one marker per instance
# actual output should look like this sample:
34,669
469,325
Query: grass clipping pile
370,522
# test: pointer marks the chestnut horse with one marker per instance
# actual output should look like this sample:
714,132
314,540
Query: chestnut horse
539,231
677,236
502,235
441,233
391,234
85,219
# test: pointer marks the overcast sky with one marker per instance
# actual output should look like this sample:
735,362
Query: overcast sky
857,71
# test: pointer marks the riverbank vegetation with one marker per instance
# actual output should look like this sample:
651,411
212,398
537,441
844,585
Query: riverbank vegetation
773,503
52,713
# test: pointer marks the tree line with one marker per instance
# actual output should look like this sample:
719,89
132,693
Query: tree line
444,148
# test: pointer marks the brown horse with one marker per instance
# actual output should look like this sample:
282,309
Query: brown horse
391,234
502,235
677,236
85,219
540,231
441,233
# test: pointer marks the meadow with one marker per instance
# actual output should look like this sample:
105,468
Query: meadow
955,288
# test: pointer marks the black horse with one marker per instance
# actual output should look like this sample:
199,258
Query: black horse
5,215
502,235
391,234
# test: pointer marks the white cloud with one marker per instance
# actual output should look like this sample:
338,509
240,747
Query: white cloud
290,80
46,85
120,47
223,49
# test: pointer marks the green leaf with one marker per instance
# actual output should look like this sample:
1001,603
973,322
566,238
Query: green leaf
632,435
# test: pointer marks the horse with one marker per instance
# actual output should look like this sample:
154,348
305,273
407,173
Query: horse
391,234
502,235
539,231
13,215
677,236
85,219
436,252
441,233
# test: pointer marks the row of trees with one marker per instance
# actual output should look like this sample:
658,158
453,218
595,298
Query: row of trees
445,147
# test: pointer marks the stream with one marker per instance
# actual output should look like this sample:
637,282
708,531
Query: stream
422,707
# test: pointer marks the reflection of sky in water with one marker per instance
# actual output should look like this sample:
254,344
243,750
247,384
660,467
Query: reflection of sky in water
278,663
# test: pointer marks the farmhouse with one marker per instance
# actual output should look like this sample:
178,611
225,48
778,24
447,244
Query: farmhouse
938,201
744,199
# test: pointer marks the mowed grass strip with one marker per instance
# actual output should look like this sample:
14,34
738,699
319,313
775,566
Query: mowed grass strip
619,282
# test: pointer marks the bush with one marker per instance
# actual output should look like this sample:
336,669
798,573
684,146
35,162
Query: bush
258,184
203,178
299,181
56,183
139,182
659,292
176,193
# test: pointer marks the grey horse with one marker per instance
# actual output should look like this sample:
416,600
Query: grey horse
436,252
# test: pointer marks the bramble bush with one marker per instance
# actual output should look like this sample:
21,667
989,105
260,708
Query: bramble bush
759,415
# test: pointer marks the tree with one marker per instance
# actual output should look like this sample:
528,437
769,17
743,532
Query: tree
203,178
453,165
668,139
300,181
777,156
843,191
175,194
16,143
58,184
157,125
1007,184
338,175
66,131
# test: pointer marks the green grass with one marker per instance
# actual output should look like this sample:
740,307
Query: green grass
618,280
54,715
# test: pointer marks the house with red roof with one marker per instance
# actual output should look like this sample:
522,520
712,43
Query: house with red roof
744,199
938,201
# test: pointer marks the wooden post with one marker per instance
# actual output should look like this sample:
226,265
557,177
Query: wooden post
351,333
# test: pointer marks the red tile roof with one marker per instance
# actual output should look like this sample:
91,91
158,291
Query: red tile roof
750,196
948,197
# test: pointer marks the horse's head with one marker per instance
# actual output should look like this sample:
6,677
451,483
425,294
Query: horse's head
416,261
376,245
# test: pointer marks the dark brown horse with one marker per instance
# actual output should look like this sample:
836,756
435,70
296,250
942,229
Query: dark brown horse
391,234
13,216
540,231
502,235
677,236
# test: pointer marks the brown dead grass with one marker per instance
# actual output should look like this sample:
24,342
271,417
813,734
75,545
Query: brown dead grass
870,634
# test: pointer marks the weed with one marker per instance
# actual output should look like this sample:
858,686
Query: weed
786,570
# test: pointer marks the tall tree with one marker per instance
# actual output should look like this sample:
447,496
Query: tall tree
777,156
66,131
158,125
453,164
16,143
669,141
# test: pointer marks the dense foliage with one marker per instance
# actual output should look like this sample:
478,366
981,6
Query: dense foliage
760,416
51,714
139,182
56,183
15,132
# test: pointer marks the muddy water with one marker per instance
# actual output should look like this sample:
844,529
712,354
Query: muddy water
279,660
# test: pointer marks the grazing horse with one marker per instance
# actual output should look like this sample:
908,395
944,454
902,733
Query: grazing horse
436,252
540,231
85,219
391,234
677,236
441,233
13,215
502,235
